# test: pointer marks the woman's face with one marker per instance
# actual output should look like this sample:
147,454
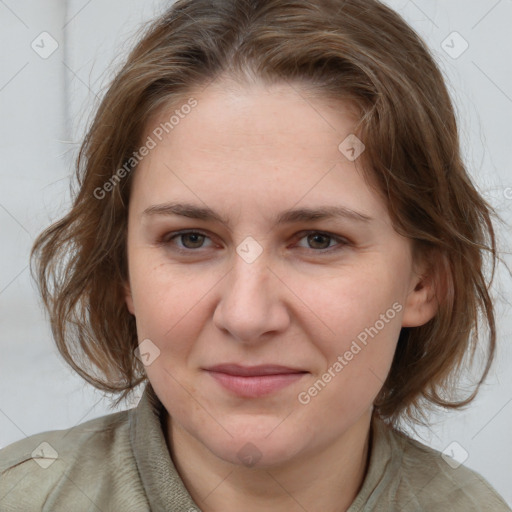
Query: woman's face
323,296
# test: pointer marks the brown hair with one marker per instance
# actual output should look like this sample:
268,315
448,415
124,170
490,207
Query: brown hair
357,50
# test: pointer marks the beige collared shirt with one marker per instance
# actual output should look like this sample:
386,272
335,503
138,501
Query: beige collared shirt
120,463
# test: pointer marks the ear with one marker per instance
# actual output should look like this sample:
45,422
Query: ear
427,290
128,297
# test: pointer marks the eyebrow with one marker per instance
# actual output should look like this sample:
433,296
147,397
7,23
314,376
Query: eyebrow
285,217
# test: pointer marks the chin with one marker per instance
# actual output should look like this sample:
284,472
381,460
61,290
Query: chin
254,448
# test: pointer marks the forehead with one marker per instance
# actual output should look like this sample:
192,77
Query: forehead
232,115
253,143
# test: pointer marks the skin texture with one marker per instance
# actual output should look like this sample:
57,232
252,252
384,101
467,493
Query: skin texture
250,152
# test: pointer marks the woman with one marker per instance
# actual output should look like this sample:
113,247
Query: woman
275,230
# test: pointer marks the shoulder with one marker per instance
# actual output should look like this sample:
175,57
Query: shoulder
65,463
435,482
46,447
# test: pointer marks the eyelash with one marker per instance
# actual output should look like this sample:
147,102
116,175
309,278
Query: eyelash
342,242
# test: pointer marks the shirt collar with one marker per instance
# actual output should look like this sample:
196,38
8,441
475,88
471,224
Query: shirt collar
162,483
382,470
165,489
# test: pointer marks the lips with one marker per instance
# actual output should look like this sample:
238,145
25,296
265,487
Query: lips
254,381
251,371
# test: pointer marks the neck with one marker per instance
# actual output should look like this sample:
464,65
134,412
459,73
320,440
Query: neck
326,479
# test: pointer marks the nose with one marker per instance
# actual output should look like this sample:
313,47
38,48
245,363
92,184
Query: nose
252,302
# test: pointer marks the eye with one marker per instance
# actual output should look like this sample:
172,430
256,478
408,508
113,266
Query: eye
190,240
320,241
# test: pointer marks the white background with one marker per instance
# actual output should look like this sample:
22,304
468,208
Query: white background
44,104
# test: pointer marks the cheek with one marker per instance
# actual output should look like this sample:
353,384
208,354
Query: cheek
173,305
355,368
342,306
355,323
162,289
